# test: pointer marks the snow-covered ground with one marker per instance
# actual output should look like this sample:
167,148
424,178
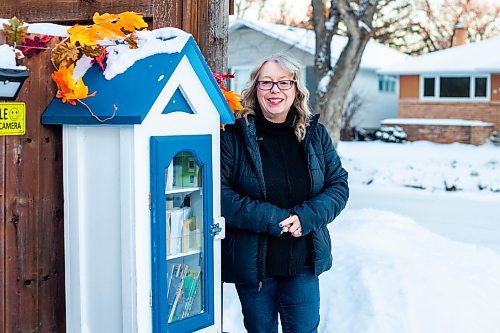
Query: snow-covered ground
407,259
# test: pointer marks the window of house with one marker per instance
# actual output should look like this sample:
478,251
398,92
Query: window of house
452,88
387,83
429,86
480,88
241,76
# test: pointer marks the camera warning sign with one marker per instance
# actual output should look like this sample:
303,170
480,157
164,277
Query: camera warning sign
12,118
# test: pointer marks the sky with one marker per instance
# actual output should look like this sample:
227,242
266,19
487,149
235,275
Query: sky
409,260
294,8
298,8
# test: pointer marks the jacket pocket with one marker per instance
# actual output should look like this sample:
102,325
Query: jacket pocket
228,254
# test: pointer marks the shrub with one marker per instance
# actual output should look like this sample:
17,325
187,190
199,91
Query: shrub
391,134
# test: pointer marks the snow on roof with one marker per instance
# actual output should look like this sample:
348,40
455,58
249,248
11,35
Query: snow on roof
164,40
434,122
49,29
478,57
375,55
120,57
8,58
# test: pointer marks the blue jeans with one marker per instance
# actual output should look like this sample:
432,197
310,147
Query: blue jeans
295,298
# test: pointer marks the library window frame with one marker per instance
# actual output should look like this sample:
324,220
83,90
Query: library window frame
163,149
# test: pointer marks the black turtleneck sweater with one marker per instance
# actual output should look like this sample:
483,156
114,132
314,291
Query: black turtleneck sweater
287,183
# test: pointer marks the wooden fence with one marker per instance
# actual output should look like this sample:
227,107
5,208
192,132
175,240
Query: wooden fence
32,294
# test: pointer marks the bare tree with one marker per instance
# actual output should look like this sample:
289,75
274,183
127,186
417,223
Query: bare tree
435,22
283,15
351,109
393,25
244,6
335,80
421,26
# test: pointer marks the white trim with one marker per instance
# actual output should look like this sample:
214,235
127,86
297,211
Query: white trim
437,84
127,212
72,243
435,122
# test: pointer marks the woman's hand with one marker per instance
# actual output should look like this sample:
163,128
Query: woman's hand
291,225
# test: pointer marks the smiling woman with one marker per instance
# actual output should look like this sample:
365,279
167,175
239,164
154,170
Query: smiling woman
282,183
275,91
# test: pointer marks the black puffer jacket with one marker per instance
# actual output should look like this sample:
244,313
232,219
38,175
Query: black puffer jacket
250,218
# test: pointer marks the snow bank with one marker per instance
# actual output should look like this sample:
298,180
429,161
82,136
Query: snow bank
424,165
391,275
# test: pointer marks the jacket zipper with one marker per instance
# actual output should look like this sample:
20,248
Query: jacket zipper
260,270
307,141
260,258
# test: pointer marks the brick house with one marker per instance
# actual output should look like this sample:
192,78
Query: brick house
251,41
452,95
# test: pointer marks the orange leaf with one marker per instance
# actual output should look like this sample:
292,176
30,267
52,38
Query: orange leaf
112,26
106,17
131,21
85,35
233,99
68,89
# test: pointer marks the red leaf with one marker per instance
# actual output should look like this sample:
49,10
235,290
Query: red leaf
220,77
34,46
100,58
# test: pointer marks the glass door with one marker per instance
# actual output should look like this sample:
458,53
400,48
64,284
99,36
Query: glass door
182,246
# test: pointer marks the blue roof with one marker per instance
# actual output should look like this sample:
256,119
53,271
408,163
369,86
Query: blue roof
134,92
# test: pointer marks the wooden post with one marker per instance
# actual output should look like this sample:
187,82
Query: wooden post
31,223
69,11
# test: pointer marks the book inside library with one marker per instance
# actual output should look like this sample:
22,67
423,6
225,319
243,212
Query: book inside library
184,237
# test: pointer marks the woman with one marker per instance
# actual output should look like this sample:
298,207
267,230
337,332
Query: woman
282,183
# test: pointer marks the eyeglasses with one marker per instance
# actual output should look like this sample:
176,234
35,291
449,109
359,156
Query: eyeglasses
269,85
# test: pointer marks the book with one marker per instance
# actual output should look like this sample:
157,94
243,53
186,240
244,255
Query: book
170,272
188,228
176,218
169,177
174,291
186,171
168,231
174,282
170,202
179,229
190,285
194,285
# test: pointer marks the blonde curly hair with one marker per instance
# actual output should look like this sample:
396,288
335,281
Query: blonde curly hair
301,102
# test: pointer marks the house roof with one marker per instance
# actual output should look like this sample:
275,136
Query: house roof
133,81
478,57
375,55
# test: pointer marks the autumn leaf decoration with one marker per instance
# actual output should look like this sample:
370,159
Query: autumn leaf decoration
85,40
14,30
67,89
233,99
